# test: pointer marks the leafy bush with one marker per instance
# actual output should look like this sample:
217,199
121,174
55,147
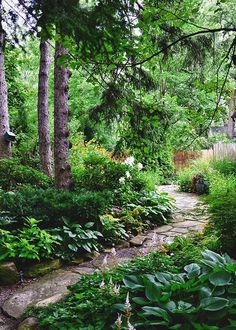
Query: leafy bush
99,172
14,175
201,297
112,228
74,239
52,205
225,166
30,243
155,294
221,202
88,306
154,207
200,171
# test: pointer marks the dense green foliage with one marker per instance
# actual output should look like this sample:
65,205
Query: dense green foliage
14,175
81,308
220,176
110,201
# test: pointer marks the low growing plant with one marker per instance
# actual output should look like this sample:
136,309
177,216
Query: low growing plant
75,240
29,243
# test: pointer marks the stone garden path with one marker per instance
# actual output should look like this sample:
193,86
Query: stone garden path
190,216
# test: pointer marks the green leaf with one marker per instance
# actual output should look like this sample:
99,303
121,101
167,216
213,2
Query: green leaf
192,270
164,278
73,247
213,303
156,311
140,301
132,282
220,278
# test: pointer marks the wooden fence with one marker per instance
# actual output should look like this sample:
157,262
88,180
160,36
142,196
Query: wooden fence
224,150
219,151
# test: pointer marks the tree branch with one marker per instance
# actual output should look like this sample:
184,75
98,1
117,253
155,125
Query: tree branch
181,39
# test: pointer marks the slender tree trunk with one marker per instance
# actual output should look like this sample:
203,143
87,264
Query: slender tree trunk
43,115
232,109
5,147
61,115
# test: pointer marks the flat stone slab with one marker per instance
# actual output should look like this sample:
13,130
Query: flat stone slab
180,230
48,286
83,270
163,229
185,224
138,240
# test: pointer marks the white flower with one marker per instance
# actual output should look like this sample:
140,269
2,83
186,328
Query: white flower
127,174
116,289
110,281
104,262
130,326
102,285
122,180
127,303
119,320
140,166
113,252
129,161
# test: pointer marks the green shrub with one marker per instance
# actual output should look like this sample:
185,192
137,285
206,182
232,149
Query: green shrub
222,201
225,166
75,240
189,177
200,297
52,205
155,294
99,172
29,243
112,229
88,306
14,175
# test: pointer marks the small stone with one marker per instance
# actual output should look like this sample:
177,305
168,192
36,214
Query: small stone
163,229
77,261
42,268
172,233
186,224
196,228
31,323
8,273
51,300
122,244
138,240
83,270
92,255
180,230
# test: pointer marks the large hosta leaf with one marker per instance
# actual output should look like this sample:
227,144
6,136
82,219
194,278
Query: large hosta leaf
214,303
192,270
156,311
220,278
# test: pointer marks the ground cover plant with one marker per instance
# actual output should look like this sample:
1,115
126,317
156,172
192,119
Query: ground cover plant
112,204
153,290
220,176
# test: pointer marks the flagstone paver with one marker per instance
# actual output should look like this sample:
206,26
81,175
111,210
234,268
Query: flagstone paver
190,215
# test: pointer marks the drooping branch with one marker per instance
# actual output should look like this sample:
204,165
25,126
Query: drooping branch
164,49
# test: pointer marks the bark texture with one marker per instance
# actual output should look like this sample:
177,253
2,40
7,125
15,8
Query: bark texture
61,115
43,115
232,109
5,147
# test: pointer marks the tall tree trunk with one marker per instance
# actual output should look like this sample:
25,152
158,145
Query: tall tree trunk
232,110
61,115
5,147
43,115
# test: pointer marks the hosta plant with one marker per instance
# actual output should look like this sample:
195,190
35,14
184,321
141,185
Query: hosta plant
201,297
